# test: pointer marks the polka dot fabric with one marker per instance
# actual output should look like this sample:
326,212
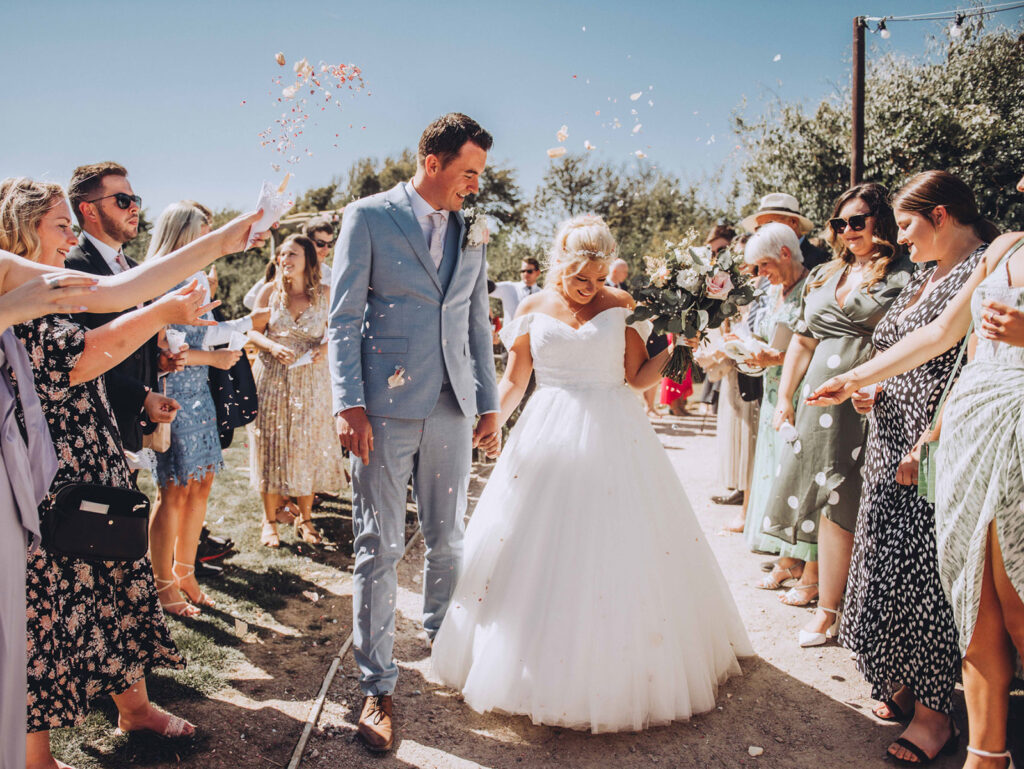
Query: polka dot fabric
819,471
897,618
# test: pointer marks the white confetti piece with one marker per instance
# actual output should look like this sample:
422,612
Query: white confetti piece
556,152
587,145
637,127
397,379
640,154
279,58
635,96
563,133
777,57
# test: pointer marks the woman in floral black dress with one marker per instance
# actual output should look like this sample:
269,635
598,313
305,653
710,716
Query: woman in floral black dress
93,627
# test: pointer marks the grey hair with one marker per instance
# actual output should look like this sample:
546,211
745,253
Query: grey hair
768,241
179,224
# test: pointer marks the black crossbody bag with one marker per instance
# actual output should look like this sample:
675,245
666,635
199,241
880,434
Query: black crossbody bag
95,521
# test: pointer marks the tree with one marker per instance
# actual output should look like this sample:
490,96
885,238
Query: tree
958,108
366,178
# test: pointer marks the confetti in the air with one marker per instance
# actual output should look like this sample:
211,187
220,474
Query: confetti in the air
315,89
556,152
640,154
563,133
778,57
635,96
637,127
587,145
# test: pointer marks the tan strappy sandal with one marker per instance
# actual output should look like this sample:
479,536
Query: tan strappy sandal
176,608
199,600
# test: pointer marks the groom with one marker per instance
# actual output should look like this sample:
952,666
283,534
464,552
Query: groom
411,366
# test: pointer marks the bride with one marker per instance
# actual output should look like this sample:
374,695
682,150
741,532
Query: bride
589,597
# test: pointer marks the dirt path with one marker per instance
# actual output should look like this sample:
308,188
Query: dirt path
804,707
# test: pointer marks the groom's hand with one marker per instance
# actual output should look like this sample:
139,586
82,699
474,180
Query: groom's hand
355,432
487,435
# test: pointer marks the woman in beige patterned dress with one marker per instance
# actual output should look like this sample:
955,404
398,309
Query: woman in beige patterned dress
293,449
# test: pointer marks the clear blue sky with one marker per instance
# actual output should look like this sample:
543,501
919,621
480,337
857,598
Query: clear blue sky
158,86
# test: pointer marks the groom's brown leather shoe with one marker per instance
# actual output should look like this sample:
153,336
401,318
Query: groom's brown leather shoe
375,729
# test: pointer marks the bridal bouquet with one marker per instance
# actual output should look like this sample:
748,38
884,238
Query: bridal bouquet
689,291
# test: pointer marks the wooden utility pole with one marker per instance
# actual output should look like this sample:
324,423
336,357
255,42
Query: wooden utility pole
857,126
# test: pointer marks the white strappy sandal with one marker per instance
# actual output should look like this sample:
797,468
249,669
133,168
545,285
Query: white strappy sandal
985,754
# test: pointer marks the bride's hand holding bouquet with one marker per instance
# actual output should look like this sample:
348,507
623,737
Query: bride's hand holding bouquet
688,292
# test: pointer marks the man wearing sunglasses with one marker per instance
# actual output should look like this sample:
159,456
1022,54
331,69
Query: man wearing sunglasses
321,232
511,292
780,207
107,210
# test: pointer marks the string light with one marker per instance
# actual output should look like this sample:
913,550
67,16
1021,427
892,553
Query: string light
957,17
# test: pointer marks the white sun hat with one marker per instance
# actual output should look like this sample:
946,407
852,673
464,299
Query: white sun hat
778,203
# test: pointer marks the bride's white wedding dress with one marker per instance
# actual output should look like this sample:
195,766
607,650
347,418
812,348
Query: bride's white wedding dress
589,596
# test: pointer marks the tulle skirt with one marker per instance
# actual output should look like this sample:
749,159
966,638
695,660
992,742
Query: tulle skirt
589,596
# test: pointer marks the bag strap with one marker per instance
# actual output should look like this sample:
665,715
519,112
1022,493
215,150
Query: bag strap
952,376
102,411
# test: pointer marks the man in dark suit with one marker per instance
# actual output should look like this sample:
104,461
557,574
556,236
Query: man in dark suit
780,207
107,210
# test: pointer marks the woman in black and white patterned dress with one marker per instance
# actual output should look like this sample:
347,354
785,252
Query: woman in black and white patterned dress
897,618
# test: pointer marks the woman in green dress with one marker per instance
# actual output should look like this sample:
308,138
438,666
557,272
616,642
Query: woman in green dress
816,492
775,251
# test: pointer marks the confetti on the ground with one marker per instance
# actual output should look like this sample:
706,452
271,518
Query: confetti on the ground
556,152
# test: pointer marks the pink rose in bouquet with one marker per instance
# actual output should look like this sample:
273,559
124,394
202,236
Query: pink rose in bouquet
719,285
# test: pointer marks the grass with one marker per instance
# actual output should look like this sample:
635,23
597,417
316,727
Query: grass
264,610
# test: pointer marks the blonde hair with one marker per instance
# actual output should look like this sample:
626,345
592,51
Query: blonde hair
580,241
179,224
23,204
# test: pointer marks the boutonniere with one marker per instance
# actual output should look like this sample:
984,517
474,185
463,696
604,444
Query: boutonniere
477,233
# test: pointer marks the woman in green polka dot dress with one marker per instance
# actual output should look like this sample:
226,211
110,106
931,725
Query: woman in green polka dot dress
816,491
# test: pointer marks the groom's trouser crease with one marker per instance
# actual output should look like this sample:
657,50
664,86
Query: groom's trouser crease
435,452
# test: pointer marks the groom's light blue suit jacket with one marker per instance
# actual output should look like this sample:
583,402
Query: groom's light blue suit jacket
390,310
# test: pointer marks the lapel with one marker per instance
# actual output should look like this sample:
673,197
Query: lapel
458,217
397,203
99,264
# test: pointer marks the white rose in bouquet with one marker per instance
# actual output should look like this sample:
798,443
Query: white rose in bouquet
689,280
660,276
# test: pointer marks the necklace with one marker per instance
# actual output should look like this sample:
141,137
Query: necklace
568,306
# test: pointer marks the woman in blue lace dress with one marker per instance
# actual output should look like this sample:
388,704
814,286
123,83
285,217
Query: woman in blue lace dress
185,472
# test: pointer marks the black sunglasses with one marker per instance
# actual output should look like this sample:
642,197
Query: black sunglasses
124,200
857,222
323,243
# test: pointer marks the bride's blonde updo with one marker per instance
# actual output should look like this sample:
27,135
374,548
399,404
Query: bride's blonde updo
578,242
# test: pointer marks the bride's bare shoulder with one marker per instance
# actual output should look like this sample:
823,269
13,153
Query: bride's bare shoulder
616,297
533,303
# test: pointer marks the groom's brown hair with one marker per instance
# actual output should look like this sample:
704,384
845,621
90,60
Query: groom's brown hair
446,135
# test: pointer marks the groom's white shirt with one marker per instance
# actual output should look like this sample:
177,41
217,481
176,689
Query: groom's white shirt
422,210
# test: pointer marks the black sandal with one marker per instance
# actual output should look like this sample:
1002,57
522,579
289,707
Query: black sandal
923,759
897,713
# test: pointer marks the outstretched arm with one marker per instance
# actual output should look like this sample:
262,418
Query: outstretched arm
114,293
